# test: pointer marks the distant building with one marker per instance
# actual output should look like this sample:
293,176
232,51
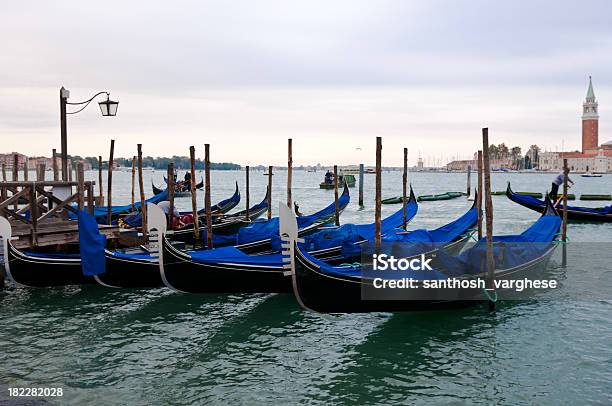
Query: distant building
9,159
461,165
593,157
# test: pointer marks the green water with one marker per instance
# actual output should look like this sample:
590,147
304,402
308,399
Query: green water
105,346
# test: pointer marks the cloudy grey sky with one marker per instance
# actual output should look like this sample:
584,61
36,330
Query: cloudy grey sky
246,75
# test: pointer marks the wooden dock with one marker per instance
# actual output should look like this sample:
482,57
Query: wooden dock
38,211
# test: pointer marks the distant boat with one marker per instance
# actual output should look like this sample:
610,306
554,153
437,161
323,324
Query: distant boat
590,175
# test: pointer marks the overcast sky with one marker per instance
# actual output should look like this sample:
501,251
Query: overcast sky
246,75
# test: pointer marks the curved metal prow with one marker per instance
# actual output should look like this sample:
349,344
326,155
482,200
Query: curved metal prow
288,231
550,209
6,232
412,196
157,232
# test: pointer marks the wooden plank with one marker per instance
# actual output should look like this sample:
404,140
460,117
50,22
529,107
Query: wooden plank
33,214
194,200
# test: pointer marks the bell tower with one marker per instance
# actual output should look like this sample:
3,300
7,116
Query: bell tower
590,121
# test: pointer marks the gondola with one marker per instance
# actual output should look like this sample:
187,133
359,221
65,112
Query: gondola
574,213
101,212
135,220
324,288
230,270
335,244
177,193
223,224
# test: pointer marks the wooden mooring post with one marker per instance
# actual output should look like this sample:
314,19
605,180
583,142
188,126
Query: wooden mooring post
270,191
469,181
25,170
171,195
479,197
378,208
361,173
143,209
100,188
564,225
40,172
194,200
54,164
289,170
15,175
209,234
336,204
80,185
133,180
489,217
109,186
248,197
405,189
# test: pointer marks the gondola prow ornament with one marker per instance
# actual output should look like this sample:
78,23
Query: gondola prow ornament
6,233
288,231
157,230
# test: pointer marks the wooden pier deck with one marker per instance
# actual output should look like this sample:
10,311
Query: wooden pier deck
38,211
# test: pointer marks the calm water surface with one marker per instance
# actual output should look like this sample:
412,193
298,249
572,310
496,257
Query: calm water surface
157,347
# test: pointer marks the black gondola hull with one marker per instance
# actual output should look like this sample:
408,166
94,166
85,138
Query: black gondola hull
325,293
182,274
130,273
572,215
35,271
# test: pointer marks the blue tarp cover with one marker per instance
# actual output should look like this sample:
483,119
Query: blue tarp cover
265,229
518,249
101,212
91,245
235,256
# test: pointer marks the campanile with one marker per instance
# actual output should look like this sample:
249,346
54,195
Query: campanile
590,121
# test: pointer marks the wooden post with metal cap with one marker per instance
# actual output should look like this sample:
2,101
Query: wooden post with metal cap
289,169
336,203
270,191
209,234
378,208
194,200
109,187
405,189
479,197
489,218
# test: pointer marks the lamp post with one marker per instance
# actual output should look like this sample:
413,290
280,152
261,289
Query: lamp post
108,108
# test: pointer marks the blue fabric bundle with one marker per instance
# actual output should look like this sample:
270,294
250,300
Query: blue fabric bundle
91,245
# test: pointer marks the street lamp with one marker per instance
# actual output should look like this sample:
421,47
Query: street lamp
107,107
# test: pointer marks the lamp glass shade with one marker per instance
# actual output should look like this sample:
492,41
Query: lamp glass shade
109,107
